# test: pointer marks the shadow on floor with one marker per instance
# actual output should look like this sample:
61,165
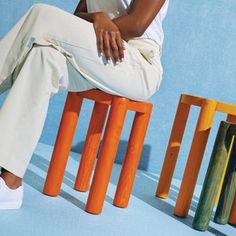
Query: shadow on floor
144,189
144,160
37,182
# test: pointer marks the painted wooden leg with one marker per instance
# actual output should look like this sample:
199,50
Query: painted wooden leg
173,150
221,150
231,119
63,144
107,155
195,157
232,217
228,189
132,157
91,146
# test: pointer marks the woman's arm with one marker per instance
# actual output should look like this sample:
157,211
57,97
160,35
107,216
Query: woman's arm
110,33
140,15
81,7
82,12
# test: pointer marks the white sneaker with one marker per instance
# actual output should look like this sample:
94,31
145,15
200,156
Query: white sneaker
10,198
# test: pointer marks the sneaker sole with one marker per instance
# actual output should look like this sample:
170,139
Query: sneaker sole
10,205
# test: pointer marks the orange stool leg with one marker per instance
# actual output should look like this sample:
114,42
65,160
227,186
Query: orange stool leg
132,157
173,150
91,146
63,144
231,118
195,157
232,217
107,155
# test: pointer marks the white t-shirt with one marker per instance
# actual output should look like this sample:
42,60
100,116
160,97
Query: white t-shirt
116,8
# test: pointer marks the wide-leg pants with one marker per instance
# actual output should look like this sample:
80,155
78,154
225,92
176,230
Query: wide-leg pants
50,50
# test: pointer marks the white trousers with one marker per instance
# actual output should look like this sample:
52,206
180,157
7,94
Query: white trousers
50,50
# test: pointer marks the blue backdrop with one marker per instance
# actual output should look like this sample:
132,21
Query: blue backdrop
199,57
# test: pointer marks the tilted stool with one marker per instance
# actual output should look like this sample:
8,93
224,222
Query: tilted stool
118,109
223,157
205,119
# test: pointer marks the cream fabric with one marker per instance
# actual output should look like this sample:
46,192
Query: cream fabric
75,39
50,50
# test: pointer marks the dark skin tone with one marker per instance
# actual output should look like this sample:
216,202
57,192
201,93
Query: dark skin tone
110,35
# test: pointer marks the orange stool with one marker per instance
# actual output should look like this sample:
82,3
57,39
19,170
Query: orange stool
205,120
118,109
232,216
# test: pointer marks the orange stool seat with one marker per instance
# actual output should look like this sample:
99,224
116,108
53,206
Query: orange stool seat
111,137
205,120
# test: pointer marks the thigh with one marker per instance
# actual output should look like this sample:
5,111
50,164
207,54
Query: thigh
74,37
134,78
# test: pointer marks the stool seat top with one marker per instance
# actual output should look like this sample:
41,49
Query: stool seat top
106,98
189,99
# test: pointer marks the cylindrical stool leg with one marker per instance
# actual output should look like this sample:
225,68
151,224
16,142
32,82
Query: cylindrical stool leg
91,146
221,150
228,189
173,150
232,217
63,144
195,157
231,119
107,155
132,157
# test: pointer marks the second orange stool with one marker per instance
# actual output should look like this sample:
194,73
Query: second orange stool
118,109
205,120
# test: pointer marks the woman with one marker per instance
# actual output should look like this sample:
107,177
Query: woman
111,45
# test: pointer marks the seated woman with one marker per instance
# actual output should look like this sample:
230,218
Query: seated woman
111,45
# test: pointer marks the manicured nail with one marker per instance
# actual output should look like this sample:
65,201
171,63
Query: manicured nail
109,61
122,59
117,62
100,54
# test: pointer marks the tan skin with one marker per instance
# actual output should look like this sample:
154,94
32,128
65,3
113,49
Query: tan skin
110,35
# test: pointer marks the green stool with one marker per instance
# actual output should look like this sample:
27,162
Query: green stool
224,153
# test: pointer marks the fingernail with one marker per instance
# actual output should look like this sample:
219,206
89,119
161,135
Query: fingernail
122,59
109,61
117,62
100,54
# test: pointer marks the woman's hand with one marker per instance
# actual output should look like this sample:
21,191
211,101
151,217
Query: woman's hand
109,41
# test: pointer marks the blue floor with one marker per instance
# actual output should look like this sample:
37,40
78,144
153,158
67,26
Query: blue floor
41,215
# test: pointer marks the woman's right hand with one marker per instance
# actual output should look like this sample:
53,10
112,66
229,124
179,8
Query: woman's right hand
109,41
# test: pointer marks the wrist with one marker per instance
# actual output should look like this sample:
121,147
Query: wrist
99,15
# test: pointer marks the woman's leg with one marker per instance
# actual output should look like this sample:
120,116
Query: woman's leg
23,113
75,37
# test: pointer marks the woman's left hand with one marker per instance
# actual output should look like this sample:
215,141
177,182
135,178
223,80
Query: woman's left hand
109,41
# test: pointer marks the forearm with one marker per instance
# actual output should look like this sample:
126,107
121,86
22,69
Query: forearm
86,16
81,7
121,22
128,30
137,19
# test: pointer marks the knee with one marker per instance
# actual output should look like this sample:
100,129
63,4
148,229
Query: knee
40,9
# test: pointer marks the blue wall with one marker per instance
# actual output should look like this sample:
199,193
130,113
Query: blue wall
199,57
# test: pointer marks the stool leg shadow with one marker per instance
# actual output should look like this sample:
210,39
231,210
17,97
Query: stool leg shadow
37,182
144,190
147,195
144,160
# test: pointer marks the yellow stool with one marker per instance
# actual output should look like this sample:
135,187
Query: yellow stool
205,120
